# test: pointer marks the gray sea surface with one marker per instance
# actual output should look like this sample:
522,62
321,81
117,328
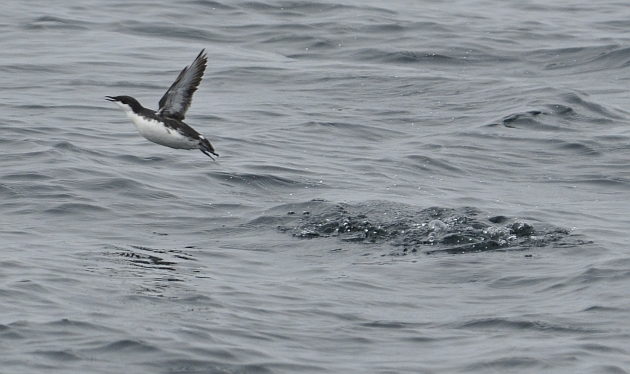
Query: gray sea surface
402,187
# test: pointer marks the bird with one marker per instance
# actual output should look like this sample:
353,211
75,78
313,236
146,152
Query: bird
166,126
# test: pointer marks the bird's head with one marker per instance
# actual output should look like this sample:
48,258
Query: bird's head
127,103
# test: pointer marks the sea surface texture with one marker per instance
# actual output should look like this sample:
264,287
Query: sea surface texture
402,187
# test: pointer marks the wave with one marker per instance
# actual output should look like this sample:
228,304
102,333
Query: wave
409,229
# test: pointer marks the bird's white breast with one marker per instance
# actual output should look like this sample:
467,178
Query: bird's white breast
156,132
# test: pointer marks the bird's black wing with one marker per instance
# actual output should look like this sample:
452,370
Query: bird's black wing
177,99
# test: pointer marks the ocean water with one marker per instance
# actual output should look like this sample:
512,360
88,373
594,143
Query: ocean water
403,187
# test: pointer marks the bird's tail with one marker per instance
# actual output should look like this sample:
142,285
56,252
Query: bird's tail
206,147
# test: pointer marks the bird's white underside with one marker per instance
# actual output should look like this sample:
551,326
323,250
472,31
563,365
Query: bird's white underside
158,133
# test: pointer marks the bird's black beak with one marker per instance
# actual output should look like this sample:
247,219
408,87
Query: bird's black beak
109,98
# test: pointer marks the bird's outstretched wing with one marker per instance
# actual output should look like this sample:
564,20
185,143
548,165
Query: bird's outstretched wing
177,99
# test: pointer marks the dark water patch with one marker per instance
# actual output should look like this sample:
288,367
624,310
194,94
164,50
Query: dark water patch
411,229
153,273
266,113
559,117
385,28
561,110
386,325
67,146
24,68
420,339
138,160
260,181
403,57
578,149
69,325
520,120
606,275
310,7
178,252
127,346
598,111
56,355
76,208
600,348
587,59
323,44
26,177
597,309
456,56
515,282
509,325
200,366
56,23
37,107
115,184
8,332
172,31
212,4
149,260
508,364
146,260
146,257
607,369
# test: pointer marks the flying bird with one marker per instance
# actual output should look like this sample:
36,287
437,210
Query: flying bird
166,126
